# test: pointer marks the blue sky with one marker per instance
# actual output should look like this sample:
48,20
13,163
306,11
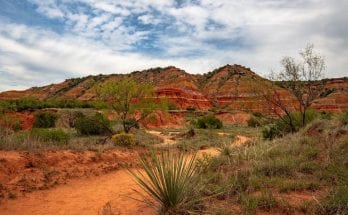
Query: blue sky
45,41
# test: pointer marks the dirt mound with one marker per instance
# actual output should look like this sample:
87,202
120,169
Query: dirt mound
160,119
23,172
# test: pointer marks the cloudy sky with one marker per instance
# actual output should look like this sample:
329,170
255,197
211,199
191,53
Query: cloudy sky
45,41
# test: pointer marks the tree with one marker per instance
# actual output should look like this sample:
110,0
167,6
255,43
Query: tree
301,79
129,98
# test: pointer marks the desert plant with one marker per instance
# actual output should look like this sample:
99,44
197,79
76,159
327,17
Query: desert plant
45,120
123,139
171,179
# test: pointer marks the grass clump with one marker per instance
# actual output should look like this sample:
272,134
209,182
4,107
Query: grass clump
298,186
336,202
276,167
50,135
172,180
265,201
123,139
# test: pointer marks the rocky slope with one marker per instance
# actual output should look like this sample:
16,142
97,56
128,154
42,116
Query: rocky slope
229,87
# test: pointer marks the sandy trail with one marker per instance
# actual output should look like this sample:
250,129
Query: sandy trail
88,196
82,196
167,139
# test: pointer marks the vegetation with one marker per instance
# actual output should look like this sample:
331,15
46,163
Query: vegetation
301,79
31,104
93,125
58,136
209,121
45,120
281,126
344,117
259,177
128,97
172,180
123,139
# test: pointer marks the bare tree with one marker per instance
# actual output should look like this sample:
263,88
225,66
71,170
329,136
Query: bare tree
303,78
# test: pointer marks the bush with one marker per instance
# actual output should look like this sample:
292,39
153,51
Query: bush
123,139
209,121
344,117
270,132
254,122
93,125
282,126
50,135
45,120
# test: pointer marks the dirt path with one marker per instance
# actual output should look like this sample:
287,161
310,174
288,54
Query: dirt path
90,195
167,139
83,196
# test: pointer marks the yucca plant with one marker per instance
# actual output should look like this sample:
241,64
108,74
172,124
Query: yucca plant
171,180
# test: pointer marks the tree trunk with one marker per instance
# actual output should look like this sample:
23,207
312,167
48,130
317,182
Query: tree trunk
303,117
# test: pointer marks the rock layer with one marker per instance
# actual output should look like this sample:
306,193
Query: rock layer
229,87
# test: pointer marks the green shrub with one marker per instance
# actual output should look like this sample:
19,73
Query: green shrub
50,135
254,122
93,125
45,120
344,117
123,139
270,132
210,122
27,104
282,126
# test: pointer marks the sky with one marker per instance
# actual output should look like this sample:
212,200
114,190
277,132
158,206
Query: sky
48,41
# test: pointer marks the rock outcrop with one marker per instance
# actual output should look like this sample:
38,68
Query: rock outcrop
229,87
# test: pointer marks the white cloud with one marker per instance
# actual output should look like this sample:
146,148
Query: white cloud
195,37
